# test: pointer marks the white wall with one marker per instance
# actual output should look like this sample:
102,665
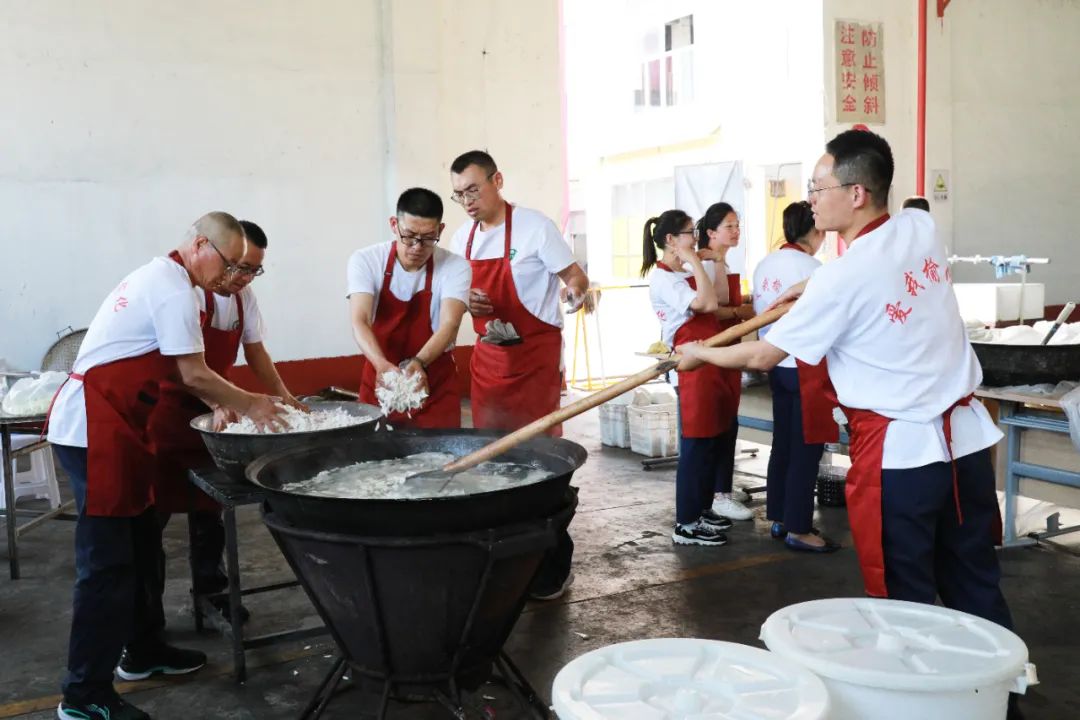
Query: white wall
1015,140
126,120
1001,113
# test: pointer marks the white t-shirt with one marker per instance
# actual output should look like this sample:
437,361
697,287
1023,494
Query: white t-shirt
538,253
153,308
670,294
227,315
449,281
778,271
886,317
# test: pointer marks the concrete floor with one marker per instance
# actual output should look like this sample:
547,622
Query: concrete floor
631,583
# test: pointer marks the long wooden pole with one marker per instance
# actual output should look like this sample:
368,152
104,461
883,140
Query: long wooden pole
540,426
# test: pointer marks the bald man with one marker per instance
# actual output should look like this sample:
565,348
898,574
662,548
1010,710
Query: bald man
148,330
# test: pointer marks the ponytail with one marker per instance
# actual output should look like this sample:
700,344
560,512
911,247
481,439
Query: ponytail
655,236
648,247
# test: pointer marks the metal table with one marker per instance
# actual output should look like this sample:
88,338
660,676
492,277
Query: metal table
231,494
34,424
1019,412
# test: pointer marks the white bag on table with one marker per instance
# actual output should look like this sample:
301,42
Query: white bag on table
32,396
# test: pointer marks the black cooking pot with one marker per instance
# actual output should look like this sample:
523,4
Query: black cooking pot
414,516
233,451
1027,364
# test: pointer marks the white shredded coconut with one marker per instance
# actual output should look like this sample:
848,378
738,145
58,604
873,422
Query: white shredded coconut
398,392
392,479
300,421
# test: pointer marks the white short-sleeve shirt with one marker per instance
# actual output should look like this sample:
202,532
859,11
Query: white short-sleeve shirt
777,272
670,294
153,308
227,315
538,253
886,318
450,278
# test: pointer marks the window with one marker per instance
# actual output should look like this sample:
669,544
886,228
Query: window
667,73
631,205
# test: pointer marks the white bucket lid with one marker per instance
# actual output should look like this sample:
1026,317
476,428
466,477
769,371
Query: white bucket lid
895,645
673,679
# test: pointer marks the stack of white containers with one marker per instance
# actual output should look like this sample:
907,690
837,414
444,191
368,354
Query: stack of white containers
654,421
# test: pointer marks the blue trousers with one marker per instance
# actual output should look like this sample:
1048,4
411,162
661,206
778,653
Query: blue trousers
793,464
928,553
706,466
115,600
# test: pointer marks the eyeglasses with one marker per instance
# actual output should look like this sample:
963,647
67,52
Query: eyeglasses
693,232
230,268
250,271
810,189
470,193
414,240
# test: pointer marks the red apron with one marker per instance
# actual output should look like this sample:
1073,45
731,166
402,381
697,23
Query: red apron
867,444
512,385
732,378
177,447
704,394
120,397
403,327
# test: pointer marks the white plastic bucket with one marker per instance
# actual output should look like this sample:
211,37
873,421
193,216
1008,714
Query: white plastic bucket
893,660
686,679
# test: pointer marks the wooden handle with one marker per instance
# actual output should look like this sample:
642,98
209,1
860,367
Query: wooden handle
540,426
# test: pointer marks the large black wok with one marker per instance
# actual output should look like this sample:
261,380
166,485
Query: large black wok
414,516
232,452
1027,364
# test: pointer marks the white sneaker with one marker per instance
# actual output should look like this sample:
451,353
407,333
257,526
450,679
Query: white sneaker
730,508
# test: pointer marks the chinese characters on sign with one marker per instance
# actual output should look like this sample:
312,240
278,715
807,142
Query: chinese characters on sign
860,72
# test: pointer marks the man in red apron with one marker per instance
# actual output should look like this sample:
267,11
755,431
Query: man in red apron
920,492
232,318
148,330
406,300
518,259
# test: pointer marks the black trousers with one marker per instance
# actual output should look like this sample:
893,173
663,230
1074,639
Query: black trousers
116,566
928,552
793,464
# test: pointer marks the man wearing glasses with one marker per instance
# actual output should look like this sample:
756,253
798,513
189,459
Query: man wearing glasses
920,492
232,319
406,301
148,330
519,260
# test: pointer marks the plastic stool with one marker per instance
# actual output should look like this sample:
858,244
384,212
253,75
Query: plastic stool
39,482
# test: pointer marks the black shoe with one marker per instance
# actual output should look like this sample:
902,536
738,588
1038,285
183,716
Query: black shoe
697,533
715,520
164,659
222,605
800,546
552,593
115,709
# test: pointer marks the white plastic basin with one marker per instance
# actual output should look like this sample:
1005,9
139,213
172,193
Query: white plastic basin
686,679
887,659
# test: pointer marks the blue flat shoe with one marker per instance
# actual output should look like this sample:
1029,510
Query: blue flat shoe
800,546
777,531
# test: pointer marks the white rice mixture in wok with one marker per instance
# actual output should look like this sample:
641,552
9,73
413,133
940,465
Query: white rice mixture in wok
300,421
386,479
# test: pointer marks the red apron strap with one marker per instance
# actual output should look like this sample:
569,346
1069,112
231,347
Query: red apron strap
506,234
946,423
208,316
430,273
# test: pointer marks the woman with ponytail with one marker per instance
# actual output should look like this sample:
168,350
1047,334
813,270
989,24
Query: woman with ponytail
793,464
684,299
718,232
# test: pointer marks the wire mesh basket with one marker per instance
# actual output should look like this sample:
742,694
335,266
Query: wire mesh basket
61,355
831,483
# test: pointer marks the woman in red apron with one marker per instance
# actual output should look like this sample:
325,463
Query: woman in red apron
402,328
512,385
718,232
686,305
